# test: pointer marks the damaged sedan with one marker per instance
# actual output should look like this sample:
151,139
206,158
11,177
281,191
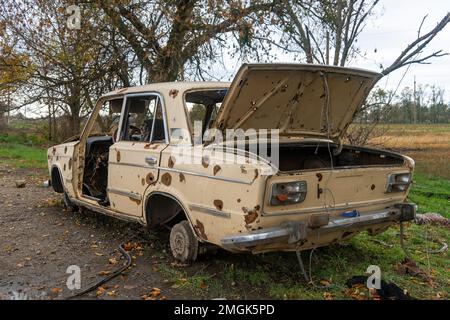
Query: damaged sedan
306,190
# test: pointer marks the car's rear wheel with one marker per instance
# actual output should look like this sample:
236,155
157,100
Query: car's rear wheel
183,242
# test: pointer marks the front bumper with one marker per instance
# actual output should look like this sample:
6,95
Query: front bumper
294,232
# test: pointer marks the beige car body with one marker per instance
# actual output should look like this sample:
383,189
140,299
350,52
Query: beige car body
228,204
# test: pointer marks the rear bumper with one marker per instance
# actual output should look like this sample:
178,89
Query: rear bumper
294,232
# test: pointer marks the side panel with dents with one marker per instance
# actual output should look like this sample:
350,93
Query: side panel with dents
62,157
130,175
219,199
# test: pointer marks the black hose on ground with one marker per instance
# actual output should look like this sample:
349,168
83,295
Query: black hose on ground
108,278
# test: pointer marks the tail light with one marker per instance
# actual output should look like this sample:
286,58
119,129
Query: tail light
288,193
398,182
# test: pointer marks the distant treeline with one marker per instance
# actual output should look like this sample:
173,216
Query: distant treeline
424,105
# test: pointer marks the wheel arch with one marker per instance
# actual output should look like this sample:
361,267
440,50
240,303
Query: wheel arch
154,195
57,179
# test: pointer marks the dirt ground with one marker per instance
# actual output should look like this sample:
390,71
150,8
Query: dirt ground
39,240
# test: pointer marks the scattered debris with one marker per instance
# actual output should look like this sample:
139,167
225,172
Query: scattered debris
20,183
408,266
431,218
388,245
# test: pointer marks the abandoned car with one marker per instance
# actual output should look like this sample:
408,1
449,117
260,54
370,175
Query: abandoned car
319,192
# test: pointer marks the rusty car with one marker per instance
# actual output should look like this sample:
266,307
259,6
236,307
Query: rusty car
320,190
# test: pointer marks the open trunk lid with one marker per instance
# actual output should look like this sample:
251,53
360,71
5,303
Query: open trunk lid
297,99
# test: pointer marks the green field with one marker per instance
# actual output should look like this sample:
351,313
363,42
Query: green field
22,152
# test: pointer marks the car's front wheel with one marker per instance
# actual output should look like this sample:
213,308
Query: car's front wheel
183,242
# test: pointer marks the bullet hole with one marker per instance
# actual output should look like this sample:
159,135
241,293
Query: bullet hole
201,229
319,176
218,204
150,178
166,179
171,162
205,161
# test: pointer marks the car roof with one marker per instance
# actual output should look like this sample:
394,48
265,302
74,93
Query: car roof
167,86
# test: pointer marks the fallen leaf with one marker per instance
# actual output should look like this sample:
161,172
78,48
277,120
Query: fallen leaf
98,254
112,293
100,291
104,273
128,246
155,292
202,285
56,290
324,282
112,261
328,296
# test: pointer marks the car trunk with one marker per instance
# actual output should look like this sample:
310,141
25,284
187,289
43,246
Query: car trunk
338,178
323,155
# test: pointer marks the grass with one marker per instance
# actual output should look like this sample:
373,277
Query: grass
277,275
431,193
22,151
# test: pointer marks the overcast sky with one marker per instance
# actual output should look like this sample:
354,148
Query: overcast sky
393,27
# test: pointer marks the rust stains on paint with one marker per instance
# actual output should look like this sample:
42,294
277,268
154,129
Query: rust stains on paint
182,177
70,163
171,162
173,93
201,229
205,161
65,150
218,204
118,156
372,187
143,181
147,146
150,178
166,179
251,215
54,150
319,176
216,169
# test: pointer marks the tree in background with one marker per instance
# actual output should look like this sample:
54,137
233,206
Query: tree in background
124,43
172,38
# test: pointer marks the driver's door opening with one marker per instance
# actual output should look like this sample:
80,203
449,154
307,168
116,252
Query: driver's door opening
101,137
141,121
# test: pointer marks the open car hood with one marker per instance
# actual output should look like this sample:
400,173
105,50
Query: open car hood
298,99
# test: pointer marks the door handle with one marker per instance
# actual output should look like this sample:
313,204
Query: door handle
151,160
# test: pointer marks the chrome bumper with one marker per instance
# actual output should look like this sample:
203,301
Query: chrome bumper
292,232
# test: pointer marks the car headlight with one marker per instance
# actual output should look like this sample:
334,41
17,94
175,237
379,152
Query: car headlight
398,182
288,193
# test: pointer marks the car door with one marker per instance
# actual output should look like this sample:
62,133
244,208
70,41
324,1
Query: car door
135,157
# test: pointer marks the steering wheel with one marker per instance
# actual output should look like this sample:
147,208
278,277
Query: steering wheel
132,129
